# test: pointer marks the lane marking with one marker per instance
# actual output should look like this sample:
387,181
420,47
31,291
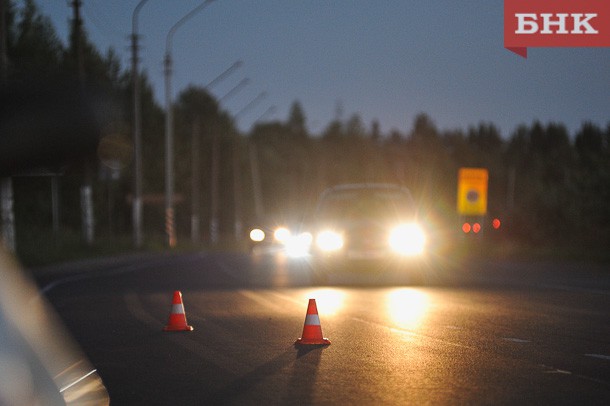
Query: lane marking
374,324
135,307
411,333
286,297
557,371
551,370
515,340
101,273
575,289
84,275
191,344
260,298
600,356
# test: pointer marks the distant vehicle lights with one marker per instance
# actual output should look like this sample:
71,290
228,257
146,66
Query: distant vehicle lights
257,235
477,227
282,239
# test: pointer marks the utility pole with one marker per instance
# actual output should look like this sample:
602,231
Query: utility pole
215,174
253,165
237,196
137,131
195,189
256,181
86,190
6,184
77,24
169,128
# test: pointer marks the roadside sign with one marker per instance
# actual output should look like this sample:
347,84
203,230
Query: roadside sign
472,191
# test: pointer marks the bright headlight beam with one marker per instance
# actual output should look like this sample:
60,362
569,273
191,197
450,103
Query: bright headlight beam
281,234
329,240
298,246
407,239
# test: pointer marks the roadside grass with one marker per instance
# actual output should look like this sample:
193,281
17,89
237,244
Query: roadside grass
528,251
43,248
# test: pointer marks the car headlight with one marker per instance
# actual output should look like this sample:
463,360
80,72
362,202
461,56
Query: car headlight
281,234
407,239
257,235
298,245
329,241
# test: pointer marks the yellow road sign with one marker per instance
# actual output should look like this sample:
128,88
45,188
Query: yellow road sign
472,191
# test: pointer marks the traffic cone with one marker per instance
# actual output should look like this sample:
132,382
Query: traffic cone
177,318
312,331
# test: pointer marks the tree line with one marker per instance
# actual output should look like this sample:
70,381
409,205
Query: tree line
547,186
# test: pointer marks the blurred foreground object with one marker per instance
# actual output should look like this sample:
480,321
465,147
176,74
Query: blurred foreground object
39,363
45,125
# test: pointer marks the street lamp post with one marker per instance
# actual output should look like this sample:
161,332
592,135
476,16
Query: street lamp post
254,168
169,130
196,133
236,174
250,105
137,130
234,90
224,74
214,218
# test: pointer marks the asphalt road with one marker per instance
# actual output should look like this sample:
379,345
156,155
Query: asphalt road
484,333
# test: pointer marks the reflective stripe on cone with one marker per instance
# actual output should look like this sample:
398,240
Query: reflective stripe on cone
177,318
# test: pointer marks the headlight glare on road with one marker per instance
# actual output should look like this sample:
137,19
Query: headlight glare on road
408,239
257,235
329,241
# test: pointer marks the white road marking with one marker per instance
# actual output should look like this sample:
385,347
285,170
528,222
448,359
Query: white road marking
576,289
515,340
144,264
222,361
287,297
412,334
90,275
264,300
600,356
558,371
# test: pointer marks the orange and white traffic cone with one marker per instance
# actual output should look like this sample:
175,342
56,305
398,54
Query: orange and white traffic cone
177,318
312,330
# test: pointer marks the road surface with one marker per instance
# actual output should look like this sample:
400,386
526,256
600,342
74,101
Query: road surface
484,333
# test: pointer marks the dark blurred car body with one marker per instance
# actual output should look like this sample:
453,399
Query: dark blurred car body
44,127
366,228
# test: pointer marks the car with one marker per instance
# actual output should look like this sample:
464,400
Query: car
367,228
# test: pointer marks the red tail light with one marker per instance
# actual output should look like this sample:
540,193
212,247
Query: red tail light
476,227
466,228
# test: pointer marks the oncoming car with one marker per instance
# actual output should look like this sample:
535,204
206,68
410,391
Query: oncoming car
369,228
